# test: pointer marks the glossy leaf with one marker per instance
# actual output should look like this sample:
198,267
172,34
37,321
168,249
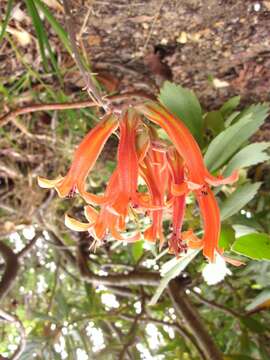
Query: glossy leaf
170,270
238,199
229,106
137,250
214,121
250,155
230,140
184,104
227,236
256,246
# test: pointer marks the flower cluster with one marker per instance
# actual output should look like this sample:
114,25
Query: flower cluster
169,171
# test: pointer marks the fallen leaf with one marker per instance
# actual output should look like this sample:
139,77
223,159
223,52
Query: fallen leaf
267,5
22,36
218,84
54,4
182,39
94,40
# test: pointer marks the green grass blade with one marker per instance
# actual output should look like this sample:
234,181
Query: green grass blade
59,30
4,25
39,31
43,40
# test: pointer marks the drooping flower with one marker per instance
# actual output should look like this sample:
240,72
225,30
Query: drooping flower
127,163
121,191
169,172
84,160
197,179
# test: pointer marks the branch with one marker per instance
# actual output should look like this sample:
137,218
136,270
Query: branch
145,278
14,320
65,106
214,305
11,270
122,291
131,337
118,334
28,247
177,327
90,86
189,313
133,278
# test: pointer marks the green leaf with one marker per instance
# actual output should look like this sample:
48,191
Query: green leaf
256,246
229,106
137,250
250,155
230,140
184,104
170,270
253,325
227,237
214,121
238,199
260,301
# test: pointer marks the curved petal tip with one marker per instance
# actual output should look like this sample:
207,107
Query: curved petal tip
76,225
48,184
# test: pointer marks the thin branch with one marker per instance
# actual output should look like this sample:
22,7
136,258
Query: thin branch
214,305
133,278
56,279
90,86
122,291
119,336
14,320
28,247
131,337
11,270
176,326
65,106
184,309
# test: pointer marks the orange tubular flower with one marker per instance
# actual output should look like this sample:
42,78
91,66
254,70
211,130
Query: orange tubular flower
128,164
185,144
211,220
176,166
101,224
84,160
154,171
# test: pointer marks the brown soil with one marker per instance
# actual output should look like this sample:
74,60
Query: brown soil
196,40
218,48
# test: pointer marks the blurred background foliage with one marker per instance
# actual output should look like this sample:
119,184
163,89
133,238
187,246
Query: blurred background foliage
74,303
